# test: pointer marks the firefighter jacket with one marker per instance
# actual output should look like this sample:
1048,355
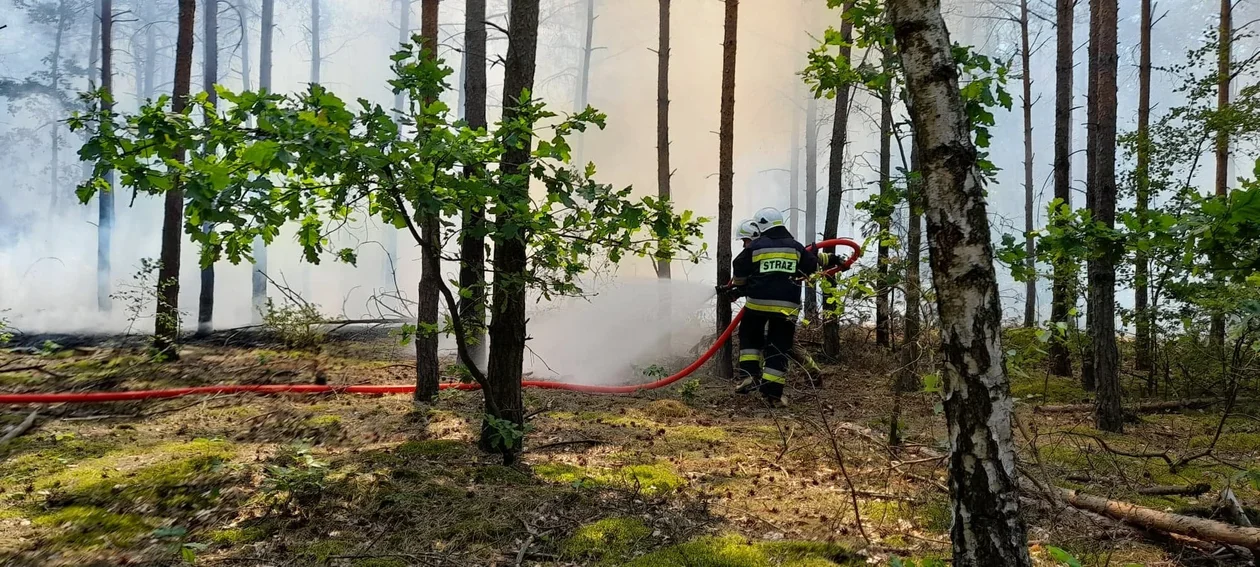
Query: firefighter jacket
769,270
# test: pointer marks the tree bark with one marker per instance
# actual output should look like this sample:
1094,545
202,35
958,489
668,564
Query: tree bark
794,169
662,121
1141,262
1223,79
166,323
246,65
1102,264
507,327
988,530
811,193
883,317
427,294
1030,287
472,271
1088,380
105,199
835,176
258,294
150,57
1198,528
1063,298
726,179
210,68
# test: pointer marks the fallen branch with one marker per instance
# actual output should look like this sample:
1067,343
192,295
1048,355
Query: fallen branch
565,443
35,368
1149,407
1191,490
1198,528
21,428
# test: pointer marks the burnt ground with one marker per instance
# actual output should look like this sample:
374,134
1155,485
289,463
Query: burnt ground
688,475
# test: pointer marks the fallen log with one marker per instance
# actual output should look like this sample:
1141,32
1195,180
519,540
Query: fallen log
1198,528
20,428
1190,490
1148,407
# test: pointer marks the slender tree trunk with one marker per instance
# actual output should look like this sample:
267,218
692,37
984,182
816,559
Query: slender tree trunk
166,326
94,48
1088,380
105,199
210,67
1064,275
150,57
835,178
1030,291
507,327
246,57
258,294
1102,265
908,377
726,178
662,120
316,42
984,489
1141,262
389,234
1223,79
54,81
883,316
472,271
427,295
581,94
794,169
811,193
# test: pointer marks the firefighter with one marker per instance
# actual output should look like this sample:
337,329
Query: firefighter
767,273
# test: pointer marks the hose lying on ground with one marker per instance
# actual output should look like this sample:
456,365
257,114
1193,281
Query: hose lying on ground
369,389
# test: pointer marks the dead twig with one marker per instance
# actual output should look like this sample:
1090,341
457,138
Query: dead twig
566,443
21,428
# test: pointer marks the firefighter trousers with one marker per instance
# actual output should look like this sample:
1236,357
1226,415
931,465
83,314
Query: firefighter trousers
766,336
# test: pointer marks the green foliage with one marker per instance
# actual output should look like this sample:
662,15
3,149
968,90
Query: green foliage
1063,557
899,562
735,551
298,479
296,324
689,390
505,434
6,332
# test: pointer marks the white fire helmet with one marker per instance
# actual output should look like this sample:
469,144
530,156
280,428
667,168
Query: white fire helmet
747,230
768,218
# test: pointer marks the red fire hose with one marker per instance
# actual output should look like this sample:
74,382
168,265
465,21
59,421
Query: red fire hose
95,397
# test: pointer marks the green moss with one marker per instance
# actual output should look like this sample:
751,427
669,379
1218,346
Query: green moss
431,449
561,472
936,515
698,433
238,536
651,479
499,475
180,481
379,562
320,552
323,422
607,538
1064,455
562,415
1231,442
39,457
735,551
664,409
86,527
1038,387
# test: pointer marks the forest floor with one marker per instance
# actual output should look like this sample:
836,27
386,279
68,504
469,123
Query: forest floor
690,475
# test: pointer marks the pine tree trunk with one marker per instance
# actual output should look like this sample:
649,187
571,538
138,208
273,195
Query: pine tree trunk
389,234
907,379
582,88
835,176
258,293
427,295
794,169
1064,275
1030,287
1088,380
316,43
150,59
883,317
105,199
54,136
726,180
811,193
984,489
246,65
1223,79
1141,262
1102,264
210,67
166,323
472,271
507,327
662,121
